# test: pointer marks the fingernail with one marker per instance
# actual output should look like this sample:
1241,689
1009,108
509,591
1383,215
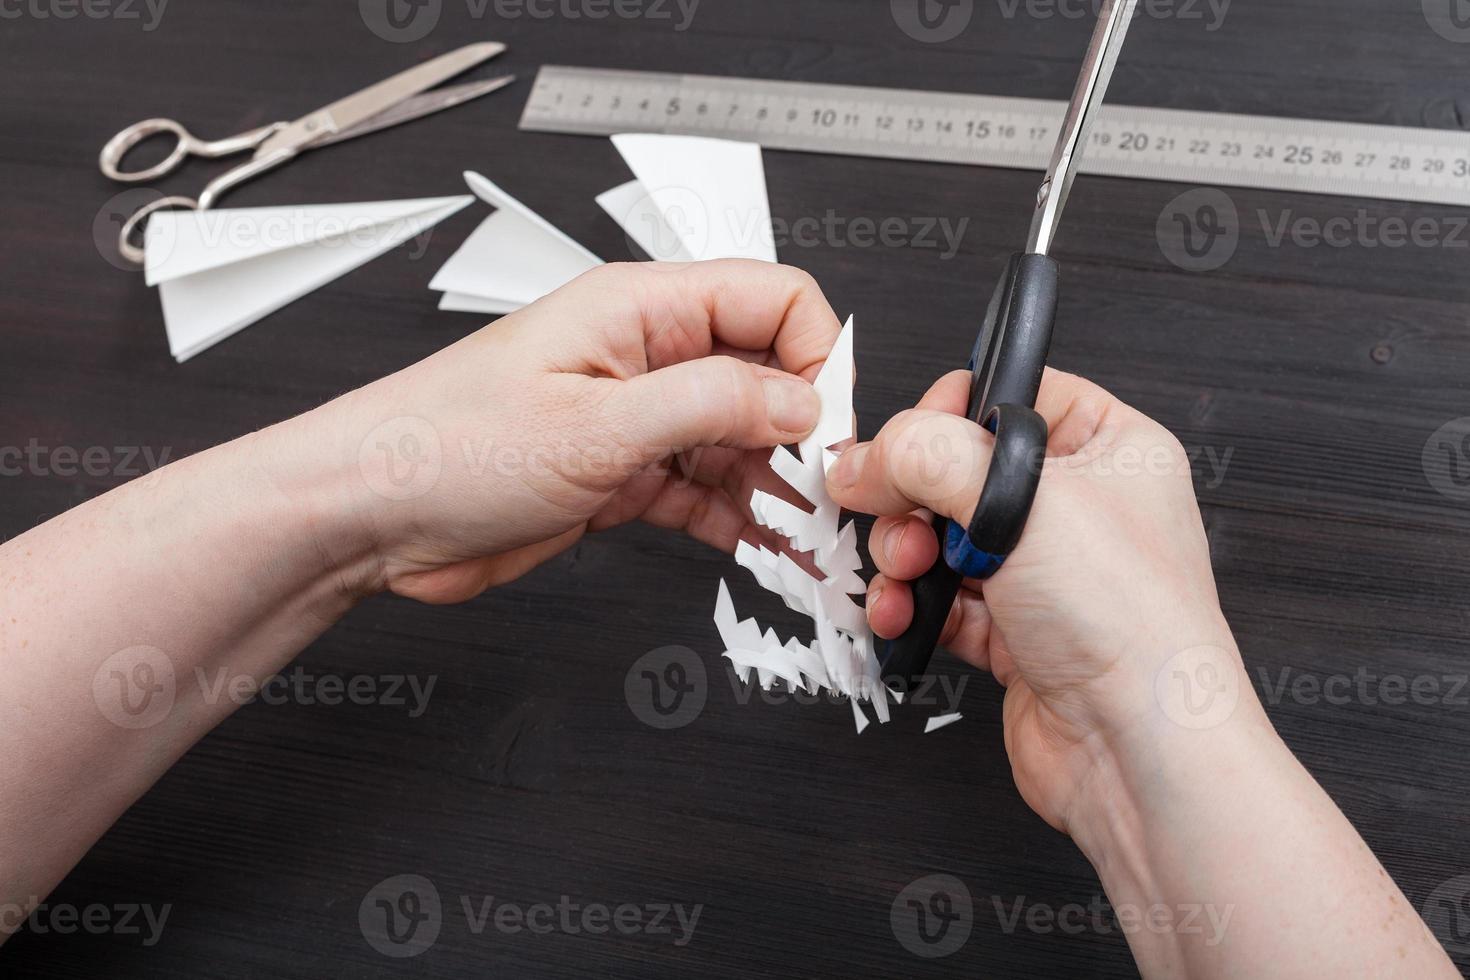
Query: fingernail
848,468
791,406
893,539
873,598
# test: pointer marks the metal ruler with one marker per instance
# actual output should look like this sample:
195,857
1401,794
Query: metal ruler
1349,159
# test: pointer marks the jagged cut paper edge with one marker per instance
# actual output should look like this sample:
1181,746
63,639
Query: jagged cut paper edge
841,658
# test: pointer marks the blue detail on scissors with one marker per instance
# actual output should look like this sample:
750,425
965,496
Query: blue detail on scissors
961,554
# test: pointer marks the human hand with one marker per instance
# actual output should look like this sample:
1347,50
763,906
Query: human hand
1110,581
645,391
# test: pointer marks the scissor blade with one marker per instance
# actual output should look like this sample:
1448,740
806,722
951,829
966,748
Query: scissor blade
1092,84
347,113
417,107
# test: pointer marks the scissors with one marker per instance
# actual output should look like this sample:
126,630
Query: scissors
1006,367
395,100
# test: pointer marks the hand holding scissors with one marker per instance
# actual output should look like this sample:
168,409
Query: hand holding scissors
396,100
1007,364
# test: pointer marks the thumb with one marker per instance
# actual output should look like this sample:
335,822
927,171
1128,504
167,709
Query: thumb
712,401
921,458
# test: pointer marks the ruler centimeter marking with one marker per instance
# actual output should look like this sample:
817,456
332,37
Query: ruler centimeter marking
1348,159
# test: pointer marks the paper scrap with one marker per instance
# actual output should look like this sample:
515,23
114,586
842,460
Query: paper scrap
939,721
219,271
512,259
841,658
695,198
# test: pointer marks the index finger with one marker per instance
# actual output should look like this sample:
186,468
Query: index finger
674,312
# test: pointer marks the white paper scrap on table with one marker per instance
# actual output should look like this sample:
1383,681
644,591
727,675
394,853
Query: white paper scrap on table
695,198
217,272
841,658
512,259
939,721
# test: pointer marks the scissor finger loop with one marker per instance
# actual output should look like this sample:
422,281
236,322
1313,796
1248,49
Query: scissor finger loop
978,551
187,144
135,253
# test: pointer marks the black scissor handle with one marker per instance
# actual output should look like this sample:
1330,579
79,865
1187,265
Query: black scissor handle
979,549
1007,364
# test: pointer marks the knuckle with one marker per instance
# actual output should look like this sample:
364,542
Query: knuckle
801,280
729,394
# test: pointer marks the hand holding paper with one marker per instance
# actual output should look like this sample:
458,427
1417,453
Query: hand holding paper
584,411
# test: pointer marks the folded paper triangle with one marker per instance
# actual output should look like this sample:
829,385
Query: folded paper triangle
217,272
513,258
694,198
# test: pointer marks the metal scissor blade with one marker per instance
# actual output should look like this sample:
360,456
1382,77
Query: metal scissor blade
346,113
417,107
1097,71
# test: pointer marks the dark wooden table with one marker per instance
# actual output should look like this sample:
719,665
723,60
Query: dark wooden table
1319,374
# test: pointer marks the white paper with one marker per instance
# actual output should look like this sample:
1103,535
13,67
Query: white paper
634,210
707,195
841,658
939,721
220,271
512,259
464,303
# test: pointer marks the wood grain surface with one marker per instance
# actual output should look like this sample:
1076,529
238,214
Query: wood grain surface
1318,375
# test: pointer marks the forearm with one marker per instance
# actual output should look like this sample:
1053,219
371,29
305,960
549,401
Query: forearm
1223,858
122,617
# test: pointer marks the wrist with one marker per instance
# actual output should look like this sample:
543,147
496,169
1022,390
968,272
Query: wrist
1159,788
328,512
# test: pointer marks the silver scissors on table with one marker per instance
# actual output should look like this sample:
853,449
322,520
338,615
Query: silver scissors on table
395,100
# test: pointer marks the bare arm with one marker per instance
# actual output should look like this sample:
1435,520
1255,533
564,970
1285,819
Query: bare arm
1129,720
463,471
